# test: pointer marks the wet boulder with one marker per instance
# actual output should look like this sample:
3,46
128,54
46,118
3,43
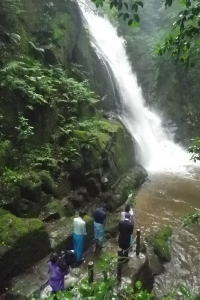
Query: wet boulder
57,209
31,190
160,243
93,187
48,184
127,184
22,242
25,208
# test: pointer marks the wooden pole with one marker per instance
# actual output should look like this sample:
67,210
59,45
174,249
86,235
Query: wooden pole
90,272
138,242
119,266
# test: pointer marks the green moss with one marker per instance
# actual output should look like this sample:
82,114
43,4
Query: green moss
22,243
48,184
63,34
3,212
160,243
13,228
30,187
5,148
61,22
122,143
62,207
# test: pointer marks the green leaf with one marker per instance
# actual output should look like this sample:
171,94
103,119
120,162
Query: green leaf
136,17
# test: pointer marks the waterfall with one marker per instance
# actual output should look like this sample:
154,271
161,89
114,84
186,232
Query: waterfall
156,151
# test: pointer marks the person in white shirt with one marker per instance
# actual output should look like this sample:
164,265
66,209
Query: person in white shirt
129,210
79,234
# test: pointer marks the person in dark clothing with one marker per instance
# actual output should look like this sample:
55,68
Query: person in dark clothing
125,231
100,215
68,258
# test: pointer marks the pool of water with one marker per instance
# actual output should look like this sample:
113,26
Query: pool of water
163,200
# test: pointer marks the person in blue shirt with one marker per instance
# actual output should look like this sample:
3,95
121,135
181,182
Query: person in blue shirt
100,215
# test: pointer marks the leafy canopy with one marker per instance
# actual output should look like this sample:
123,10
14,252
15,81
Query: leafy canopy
183,41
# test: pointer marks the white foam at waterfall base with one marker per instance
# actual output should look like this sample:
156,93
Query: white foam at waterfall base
156,151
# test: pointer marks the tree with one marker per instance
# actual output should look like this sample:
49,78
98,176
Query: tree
183,40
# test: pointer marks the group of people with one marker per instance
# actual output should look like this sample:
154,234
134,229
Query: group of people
59,265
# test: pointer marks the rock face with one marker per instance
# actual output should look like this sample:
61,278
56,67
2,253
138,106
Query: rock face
139,269
59,37
23,242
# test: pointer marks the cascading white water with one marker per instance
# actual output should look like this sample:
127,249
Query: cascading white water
156,151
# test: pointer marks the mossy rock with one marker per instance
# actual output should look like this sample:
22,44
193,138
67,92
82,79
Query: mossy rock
25,208
10,193
5,148
57,209
121,153
3,212
48,184
31,187
31,190
67,207
160,242
23,242
126,186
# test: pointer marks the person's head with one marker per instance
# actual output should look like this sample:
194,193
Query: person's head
62,264
81,213
53,257
127,216
106,207
127,208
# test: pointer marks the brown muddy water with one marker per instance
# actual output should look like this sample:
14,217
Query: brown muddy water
163,200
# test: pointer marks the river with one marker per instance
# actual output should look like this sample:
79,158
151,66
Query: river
163,200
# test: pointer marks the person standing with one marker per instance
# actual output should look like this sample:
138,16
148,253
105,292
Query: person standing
125,232
100,215
79,234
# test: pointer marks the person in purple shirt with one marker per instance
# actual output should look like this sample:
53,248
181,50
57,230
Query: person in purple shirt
57,272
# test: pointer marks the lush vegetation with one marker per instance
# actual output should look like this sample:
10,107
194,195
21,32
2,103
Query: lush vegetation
31,93
191,218
107,287
183,42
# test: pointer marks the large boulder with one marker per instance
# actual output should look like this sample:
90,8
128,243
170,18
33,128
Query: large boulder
57,209
126,185
160,243
22,242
